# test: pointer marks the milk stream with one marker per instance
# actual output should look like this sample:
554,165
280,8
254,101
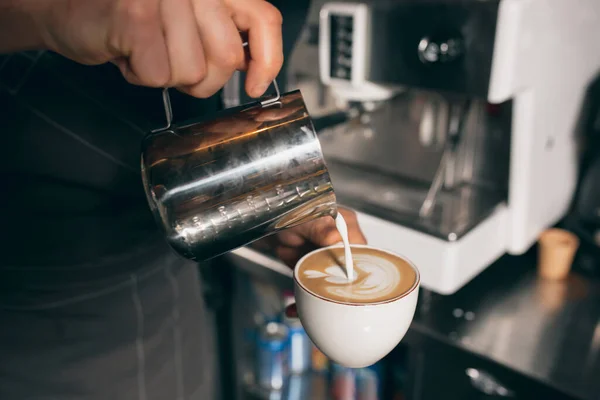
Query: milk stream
342,228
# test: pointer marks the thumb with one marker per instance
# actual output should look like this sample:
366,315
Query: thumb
320,232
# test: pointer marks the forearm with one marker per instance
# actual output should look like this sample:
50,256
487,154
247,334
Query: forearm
20,25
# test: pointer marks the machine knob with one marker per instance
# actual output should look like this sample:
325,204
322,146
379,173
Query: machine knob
432,51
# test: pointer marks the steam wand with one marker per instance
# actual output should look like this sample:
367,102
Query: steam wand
455,130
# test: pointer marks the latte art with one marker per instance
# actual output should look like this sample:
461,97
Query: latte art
374,277
378,276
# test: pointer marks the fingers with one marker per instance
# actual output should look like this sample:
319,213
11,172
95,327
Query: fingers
355,234
291,255
185,50
222,47
294,243
263,22
291,238
288,255
144,52
323,232
195,45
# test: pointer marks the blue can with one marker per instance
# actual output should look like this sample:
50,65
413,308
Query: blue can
343,383
273,395
272,357
300,344
369,383
299,387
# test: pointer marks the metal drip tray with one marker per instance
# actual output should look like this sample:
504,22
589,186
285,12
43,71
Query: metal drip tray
398,200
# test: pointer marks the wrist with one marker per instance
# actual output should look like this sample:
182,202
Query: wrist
23,25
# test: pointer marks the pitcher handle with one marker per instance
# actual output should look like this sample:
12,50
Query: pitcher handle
169,109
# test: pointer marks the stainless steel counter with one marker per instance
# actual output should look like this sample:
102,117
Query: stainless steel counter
547,331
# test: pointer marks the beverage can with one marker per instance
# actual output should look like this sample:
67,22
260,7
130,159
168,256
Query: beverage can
343,383
300,345
319,388
300,350
369,383
320,362
272,355
275,395
299,387
268,394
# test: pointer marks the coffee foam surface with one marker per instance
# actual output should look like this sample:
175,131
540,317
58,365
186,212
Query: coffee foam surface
378,276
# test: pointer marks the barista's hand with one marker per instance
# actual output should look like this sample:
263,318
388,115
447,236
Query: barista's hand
292,244
194,45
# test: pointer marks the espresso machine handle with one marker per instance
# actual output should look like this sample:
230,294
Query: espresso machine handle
330,120
169,109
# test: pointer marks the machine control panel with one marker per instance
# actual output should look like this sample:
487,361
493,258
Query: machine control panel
344,52
371,49
341,36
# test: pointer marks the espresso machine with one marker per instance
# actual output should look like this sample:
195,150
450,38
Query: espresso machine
463,142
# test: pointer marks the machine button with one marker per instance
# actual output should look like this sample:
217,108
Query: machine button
344,48
433,51
344,61
342,73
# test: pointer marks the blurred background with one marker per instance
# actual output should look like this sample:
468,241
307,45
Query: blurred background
465,134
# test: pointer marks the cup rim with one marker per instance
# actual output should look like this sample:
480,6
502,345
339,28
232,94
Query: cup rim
362,246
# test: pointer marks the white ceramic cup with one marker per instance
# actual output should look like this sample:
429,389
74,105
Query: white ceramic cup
355,335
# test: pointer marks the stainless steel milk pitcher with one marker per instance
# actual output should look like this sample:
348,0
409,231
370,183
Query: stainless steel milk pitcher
219,184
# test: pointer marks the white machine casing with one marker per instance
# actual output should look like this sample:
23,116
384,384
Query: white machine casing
545,57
